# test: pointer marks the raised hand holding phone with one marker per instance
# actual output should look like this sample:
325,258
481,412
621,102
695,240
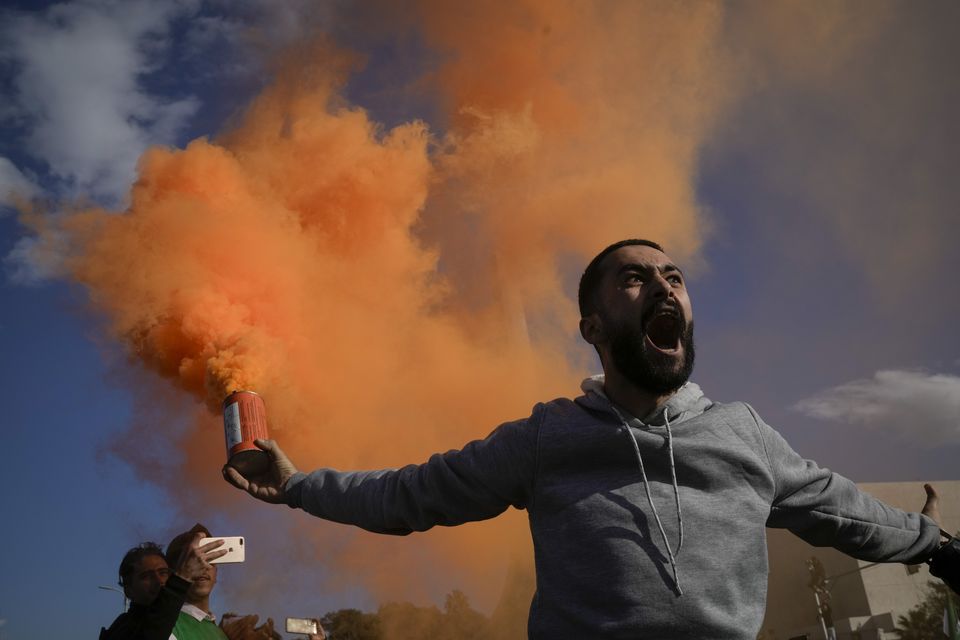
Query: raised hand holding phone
196,557
232,549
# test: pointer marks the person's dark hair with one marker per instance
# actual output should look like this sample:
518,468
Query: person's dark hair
177,545
135,555
592,275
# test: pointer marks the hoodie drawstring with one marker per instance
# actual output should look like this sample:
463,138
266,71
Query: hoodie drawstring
676,486
671,554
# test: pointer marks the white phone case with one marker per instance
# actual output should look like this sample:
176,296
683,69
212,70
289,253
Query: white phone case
233,545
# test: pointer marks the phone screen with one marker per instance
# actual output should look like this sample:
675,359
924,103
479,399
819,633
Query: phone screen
302,625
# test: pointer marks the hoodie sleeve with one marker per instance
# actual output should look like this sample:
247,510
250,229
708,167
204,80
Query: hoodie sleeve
477,482
827,510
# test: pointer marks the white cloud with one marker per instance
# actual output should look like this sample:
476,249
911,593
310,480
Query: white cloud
13,184
34,260
914,403
79,88
255,30
281,22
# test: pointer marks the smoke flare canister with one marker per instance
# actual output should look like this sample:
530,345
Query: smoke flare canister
245,420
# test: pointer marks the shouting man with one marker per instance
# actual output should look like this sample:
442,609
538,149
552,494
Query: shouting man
647,502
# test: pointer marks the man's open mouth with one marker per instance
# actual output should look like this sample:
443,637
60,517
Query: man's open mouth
663,330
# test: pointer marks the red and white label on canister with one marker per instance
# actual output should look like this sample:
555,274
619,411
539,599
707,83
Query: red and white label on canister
245,420
231,426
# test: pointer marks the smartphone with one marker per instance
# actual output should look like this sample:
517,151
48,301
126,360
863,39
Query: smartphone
233,545
302,625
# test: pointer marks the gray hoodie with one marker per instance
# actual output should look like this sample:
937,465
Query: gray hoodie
642,528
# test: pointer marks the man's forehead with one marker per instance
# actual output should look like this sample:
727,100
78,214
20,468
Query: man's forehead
151,561
637,254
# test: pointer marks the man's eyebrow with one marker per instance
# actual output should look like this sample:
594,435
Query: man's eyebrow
669,267
633,266
163,568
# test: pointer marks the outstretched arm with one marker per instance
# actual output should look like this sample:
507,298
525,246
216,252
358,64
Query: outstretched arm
477,482
828,510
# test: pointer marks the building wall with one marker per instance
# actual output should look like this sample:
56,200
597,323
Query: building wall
864,596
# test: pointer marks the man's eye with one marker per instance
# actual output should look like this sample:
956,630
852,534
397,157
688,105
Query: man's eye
633,279
675,279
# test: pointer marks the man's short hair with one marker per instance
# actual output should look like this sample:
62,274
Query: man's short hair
135,555
590,280
177,545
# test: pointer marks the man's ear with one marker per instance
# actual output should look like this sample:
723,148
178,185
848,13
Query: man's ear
591,328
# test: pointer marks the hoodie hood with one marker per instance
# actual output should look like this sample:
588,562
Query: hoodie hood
686,403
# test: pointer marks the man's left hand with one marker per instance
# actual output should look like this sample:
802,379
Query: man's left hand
931,507
269,486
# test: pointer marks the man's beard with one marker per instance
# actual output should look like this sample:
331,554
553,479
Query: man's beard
645,367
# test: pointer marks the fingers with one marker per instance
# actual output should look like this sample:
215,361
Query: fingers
247,624
213,555
267,487
281,463
239,627
271,447
193,549
233,476
260,492
196,558
206,552
931,507
210,546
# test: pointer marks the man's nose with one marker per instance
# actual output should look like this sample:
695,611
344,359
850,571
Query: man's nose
659,287
159,578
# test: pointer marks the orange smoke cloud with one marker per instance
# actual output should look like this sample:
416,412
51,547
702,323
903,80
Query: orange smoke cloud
393,292
571,124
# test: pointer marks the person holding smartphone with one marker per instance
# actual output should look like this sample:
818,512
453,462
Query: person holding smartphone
194,620
155,590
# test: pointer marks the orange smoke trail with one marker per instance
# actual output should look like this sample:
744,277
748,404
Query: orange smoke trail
388,300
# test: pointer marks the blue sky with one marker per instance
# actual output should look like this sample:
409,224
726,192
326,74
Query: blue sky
822,273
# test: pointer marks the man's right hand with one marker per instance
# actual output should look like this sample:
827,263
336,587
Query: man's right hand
195,560
268,486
